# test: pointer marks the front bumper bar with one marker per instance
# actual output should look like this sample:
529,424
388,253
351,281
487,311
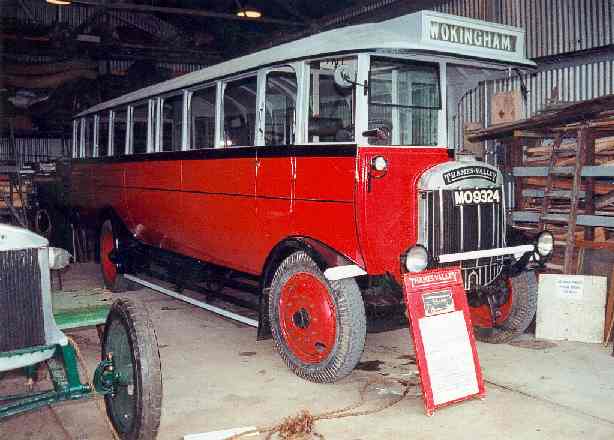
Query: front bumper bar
516,251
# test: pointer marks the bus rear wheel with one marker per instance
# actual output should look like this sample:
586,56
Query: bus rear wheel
113,280
516,314
318,326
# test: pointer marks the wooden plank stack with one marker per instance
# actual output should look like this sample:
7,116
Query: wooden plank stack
540,155
537,152
6,189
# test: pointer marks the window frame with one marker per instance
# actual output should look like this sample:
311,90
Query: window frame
189,94
221,142
112,125
306,93
159,114
149,136
76,138
262,87
97,132
364,74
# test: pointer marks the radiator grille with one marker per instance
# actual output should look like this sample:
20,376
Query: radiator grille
450,229
21,311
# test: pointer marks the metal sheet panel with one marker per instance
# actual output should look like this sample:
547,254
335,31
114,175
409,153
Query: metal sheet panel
553,26
566,83
21,308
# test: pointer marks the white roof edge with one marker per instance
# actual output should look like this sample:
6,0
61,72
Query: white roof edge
406,32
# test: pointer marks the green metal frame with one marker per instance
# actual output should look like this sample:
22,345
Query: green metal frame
66,380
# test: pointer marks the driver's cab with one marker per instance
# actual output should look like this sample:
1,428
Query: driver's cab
407,90
380,98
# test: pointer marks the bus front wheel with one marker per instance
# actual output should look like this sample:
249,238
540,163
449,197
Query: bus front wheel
318,326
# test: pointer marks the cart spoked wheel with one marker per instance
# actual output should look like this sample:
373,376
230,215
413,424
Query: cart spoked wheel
515,315
113,280
130,341
319,326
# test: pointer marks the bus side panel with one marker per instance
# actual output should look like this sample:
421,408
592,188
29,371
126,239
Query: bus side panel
274,204
111,191
154,201
324,203
83,189
387,206
218,219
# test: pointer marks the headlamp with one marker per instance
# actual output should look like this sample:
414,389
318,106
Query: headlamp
416,259
544,244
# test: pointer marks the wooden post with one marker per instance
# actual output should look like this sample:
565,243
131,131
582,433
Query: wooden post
514,150
582,141
589,200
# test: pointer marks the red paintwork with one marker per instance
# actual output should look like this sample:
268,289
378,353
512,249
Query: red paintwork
415,285
106,246
233,211
386,207
312,338
480,316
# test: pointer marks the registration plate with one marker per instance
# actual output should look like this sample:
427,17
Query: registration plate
476,196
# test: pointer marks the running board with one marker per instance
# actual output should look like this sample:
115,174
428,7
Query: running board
194,302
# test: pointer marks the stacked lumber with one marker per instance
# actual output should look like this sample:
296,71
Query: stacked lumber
6,189
540,155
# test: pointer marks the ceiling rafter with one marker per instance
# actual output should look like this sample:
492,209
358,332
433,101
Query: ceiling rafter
189,12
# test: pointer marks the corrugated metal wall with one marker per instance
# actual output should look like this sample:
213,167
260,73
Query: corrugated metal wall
553,26
119,67
34,149
41,12
466,8
572,82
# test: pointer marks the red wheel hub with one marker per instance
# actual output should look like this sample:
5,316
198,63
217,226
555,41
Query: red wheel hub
307,316
480,316
107,243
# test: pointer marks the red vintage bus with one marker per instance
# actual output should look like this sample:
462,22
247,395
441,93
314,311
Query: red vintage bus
321,169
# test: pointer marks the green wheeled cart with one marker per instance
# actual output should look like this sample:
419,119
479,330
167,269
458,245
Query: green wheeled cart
128,374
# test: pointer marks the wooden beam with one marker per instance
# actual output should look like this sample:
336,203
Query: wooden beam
573,113
183,11
607,245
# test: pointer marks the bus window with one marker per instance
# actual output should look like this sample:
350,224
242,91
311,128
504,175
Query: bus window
75,138
140,116
172,121
88,138
239,115
103,134
119,132
331,108
280,105
404,97
202,118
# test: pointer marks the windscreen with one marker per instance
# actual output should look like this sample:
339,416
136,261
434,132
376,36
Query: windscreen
404,100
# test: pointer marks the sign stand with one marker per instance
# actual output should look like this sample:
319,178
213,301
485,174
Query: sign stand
445,346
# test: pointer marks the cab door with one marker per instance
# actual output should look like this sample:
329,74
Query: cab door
274,164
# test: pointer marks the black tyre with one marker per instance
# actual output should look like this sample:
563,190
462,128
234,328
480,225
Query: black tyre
134,407
319,326
520,310
113,280
43,221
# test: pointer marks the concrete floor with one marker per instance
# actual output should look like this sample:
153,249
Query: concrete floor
216,376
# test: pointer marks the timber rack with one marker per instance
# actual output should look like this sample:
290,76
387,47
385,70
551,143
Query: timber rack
562,164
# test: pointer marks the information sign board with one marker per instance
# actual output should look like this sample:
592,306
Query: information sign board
445,346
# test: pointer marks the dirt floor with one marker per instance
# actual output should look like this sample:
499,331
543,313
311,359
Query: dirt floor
217,376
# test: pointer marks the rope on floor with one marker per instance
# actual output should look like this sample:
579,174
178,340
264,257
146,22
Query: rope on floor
301,426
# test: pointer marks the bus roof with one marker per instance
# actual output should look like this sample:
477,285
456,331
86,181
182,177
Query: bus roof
432,32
